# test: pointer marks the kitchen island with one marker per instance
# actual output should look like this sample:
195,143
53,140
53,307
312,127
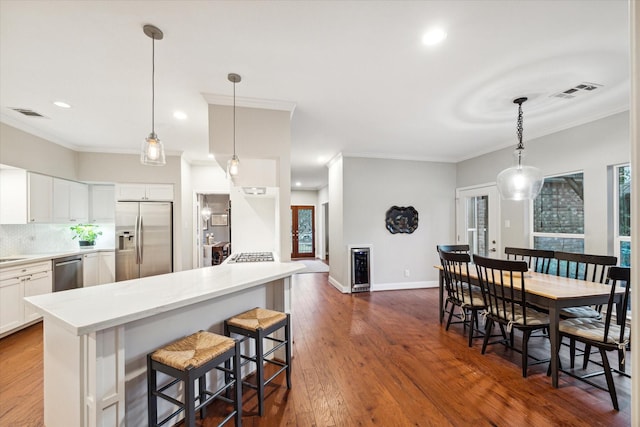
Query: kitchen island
96,339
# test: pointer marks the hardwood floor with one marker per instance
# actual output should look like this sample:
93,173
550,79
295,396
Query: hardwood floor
371,359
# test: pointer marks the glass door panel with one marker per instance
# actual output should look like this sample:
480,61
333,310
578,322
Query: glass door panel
302,233
478,220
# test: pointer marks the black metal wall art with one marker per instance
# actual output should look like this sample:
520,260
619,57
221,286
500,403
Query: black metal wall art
401,219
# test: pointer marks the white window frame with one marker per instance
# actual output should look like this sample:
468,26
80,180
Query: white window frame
617,238
534,234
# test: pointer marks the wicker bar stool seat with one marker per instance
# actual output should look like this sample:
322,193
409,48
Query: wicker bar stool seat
258,324
187,360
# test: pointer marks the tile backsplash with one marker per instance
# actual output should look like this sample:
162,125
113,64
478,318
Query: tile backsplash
31,239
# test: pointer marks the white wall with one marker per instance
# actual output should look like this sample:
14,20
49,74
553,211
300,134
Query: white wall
254,222
591,148
261,134
24,150
337,248
209,179
371,187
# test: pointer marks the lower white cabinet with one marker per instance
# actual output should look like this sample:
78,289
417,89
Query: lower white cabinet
90,266
107,267
15,284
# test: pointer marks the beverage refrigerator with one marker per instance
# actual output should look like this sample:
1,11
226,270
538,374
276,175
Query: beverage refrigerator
144,244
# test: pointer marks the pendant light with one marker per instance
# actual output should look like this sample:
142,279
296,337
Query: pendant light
234,164
152,149
520,182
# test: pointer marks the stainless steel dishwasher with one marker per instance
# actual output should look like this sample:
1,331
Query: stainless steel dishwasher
67,273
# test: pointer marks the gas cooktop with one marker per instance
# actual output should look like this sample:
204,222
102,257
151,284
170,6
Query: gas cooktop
252,257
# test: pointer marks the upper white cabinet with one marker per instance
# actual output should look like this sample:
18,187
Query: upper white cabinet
102,203
152,192
25,197
70,201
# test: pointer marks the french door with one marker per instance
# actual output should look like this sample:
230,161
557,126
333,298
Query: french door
302,236
478,219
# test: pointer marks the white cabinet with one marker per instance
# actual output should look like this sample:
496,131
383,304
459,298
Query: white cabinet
40,188
11,308
107,267
15,284
39,283
90,266
70,201
153,192
102,201
25,197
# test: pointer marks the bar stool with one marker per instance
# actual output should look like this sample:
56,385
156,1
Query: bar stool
187,360
258,323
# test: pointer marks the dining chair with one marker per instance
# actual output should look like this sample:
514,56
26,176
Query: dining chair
450,248
606,335
592,268
460,292
503,287
539,260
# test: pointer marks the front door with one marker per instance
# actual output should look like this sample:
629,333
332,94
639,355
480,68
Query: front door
478,219
302,236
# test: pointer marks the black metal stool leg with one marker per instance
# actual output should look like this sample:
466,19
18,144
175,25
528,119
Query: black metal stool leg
152,400
260,370
288,349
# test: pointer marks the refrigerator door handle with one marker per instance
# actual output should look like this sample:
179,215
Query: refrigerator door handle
141,240
137,239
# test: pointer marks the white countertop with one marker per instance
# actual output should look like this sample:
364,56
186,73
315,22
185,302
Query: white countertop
28,258
87,310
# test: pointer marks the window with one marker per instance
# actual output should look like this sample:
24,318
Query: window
558,214
622,214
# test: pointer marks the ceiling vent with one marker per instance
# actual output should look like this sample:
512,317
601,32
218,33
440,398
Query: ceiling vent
577,90
27,112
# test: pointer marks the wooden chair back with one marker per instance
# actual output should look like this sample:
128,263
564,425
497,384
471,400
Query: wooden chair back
618,276
453,248
503,287
539,260
592,268
456,277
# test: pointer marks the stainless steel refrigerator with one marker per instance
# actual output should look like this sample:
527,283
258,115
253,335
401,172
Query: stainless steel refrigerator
144,244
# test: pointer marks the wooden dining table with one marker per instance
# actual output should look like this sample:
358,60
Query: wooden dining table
553,293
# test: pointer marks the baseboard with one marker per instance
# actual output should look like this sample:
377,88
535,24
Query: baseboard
404,285
338,285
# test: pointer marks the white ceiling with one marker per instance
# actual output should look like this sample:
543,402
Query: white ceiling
361,80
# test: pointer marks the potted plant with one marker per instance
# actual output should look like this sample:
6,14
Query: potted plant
87,234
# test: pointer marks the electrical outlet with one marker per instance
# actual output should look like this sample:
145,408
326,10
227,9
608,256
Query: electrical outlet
407,273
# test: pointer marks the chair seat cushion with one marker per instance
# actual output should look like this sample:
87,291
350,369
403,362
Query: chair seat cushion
257,318
475,299
193,351
592,329
584,311
534,318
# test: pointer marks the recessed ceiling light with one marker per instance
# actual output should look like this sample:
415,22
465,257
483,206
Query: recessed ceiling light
298,183
61,104
433,37
210,155
179,115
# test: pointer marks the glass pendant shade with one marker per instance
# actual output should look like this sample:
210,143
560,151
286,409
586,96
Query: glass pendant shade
520,182
234,165
206,213
152,151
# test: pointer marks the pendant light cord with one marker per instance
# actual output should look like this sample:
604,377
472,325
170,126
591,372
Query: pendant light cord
234,119
153,87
